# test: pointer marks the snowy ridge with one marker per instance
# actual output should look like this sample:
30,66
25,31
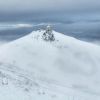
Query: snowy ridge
66,68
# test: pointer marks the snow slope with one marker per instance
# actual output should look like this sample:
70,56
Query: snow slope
65,69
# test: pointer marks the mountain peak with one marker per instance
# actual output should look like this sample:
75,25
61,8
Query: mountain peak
64,62
46,35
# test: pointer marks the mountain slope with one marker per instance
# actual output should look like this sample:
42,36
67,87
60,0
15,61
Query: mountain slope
64,68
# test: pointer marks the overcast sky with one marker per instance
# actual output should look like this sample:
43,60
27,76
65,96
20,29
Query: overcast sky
50,5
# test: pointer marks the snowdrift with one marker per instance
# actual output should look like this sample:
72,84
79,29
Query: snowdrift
64,69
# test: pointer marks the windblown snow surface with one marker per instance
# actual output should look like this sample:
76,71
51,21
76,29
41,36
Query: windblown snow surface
34,69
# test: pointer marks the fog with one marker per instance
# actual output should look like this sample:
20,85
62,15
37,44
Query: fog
78,18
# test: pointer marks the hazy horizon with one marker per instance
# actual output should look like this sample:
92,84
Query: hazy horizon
78,18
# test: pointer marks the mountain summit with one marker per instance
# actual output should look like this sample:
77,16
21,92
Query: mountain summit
61,69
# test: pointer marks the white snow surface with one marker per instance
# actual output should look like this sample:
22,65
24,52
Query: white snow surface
64,69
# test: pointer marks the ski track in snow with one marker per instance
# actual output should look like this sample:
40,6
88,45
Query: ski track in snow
28,82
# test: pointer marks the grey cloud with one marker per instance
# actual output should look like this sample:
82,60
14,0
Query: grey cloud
52,5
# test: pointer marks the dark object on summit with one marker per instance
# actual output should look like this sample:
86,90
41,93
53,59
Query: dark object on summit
48,35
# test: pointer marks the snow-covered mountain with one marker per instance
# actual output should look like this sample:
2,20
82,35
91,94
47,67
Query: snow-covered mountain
64,69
